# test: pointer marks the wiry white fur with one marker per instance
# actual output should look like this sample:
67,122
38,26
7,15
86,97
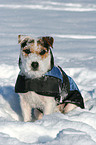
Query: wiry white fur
26,68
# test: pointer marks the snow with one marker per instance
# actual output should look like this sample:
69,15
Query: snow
73,26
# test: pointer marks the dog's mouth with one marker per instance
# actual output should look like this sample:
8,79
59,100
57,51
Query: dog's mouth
35,66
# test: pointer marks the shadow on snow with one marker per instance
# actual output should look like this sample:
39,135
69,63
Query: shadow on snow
8,93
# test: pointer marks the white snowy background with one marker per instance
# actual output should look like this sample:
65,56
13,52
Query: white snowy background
72,23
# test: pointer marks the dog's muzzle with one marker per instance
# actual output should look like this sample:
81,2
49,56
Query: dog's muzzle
35,65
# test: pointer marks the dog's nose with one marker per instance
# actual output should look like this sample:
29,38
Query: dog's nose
35,65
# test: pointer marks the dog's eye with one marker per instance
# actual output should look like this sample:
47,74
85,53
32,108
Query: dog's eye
24,43
27,51
42,52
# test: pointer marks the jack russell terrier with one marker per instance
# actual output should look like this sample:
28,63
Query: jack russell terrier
42,86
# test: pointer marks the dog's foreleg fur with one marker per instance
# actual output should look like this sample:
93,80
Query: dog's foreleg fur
50,106
31,100
26,109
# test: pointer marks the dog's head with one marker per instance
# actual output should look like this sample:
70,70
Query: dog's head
36,57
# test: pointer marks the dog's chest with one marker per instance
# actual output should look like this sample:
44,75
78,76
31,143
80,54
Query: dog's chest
35,100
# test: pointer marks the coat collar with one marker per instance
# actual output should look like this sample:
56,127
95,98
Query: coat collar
55,72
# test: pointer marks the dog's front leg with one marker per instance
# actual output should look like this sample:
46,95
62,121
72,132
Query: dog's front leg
26,109
50,106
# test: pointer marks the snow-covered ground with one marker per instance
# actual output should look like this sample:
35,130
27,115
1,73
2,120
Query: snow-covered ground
73,25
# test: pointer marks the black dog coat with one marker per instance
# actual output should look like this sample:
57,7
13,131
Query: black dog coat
54,83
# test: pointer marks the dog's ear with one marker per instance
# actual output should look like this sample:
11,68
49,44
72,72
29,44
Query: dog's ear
48,41
21,37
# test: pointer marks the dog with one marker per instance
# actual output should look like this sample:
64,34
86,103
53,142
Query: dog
43,87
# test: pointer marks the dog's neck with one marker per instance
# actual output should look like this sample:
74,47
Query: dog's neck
32,77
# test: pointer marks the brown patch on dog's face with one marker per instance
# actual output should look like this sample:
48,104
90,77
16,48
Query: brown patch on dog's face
40,46
42,51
